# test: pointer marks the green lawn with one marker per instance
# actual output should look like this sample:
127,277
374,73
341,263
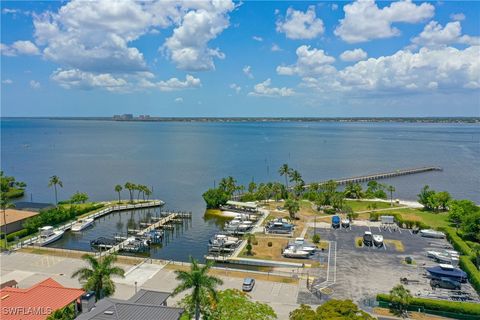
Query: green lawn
434,220
361,205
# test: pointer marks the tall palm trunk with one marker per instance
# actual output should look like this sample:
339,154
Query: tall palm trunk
119,197
5,229
56,200
197,310
286,181
391,198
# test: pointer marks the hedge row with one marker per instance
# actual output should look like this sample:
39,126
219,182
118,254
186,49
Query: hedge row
473,274
469,308
457,242
20,234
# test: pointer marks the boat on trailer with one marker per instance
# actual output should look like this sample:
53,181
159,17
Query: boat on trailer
377,240
294,252
430,233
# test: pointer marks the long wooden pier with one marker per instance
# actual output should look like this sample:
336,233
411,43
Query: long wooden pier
384,175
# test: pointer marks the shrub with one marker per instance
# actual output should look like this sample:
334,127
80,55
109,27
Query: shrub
316,238
374,216
360,242
439,305
269,243
20,234
329,211
408,260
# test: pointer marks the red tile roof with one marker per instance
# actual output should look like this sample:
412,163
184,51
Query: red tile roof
37,302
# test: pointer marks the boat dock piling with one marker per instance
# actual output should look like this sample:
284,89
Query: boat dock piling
160,223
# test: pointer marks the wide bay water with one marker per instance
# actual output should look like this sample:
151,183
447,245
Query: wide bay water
181,160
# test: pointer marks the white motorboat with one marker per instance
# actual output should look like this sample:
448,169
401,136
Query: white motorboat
293,252
48,235
377,240
429,233
299,240
346,223
82,224
443,257
223,240
310,249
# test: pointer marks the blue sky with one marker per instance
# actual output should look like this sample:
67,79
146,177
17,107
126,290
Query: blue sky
204,58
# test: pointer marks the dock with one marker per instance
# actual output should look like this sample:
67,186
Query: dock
384,175
158,224
96,215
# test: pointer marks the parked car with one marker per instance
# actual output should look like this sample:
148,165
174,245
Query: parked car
445,283
248,284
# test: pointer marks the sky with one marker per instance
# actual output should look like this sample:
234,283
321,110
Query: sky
222,58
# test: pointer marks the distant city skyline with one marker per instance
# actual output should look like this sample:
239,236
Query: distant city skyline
240,59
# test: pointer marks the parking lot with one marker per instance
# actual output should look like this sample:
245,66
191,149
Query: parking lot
362,272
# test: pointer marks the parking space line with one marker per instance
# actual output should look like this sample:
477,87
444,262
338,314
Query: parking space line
410,232
379,229
384,246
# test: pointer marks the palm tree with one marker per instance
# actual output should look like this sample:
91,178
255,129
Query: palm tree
295,176
284,171
118,189
293,207
54,181
391,189
130,186
5,204
148,192
400,298
98,275
199,281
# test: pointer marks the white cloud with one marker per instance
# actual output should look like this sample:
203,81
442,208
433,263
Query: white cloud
235,87
179,100
447,68
364,21
173,84
247,70
9,11
275,48
353,55
94,40
7,81
309,62
257,38
75,78
188,46
19,47
334,6
434,35
263,89
457,16
300,25
34,84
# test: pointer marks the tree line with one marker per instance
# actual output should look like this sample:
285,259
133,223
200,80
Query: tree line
294,189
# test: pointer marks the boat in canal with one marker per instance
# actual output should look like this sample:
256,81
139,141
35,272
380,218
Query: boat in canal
82,224
48,235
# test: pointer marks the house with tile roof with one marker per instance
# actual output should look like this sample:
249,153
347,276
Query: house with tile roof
37,302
